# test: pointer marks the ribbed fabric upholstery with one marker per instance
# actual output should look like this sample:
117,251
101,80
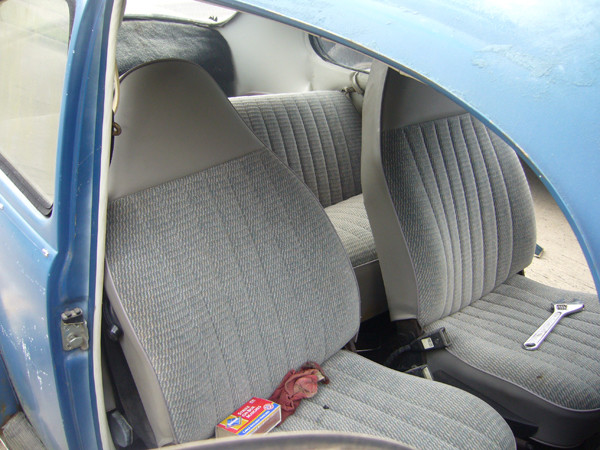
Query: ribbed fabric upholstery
489,334
317,134
236,294
465,209
368,398
349,218
224,288
466,214
226,278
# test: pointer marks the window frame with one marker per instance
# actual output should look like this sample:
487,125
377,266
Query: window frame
26,188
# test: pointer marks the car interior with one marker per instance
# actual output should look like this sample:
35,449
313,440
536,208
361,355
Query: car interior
276,198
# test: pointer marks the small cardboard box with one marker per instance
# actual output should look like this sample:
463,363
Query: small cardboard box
257,415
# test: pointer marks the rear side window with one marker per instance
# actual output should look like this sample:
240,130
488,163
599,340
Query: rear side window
341,55
34,39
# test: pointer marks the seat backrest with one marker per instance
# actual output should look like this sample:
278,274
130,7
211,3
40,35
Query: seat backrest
221,266
317,134
454,195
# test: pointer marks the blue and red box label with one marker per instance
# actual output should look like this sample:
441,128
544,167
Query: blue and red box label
257,415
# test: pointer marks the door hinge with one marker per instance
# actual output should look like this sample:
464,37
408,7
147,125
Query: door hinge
74,330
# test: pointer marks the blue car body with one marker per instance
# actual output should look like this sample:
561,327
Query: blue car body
528,72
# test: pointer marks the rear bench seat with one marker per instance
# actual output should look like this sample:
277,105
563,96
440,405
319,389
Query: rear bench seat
318,135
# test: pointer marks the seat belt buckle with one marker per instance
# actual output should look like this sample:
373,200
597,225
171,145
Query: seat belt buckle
437,339
431,341
421,371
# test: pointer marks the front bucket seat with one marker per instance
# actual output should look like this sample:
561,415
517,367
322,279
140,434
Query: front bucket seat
225,273
453,222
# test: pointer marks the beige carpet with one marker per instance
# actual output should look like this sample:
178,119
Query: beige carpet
562,263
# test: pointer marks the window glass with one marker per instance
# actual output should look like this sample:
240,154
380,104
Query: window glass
34,39
341,55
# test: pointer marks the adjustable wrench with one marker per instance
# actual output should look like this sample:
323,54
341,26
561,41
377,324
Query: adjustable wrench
560,310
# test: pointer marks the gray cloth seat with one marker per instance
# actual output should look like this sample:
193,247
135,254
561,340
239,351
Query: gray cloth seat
490,331
317,134
225,273
350,220
366,397
453,199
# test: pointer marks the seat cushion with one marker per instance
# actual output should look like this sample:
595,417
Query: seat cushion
223,287
350,220
365,397
563,374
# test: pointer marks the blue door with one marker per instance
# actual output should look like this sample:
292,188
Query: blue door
53,63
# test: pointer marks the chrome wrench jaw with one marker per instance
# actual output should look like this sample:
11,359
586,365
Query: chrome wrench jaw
560,310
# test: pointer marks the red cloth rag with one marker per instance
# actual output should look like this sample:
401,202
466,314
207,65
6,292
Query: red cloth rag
297,385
